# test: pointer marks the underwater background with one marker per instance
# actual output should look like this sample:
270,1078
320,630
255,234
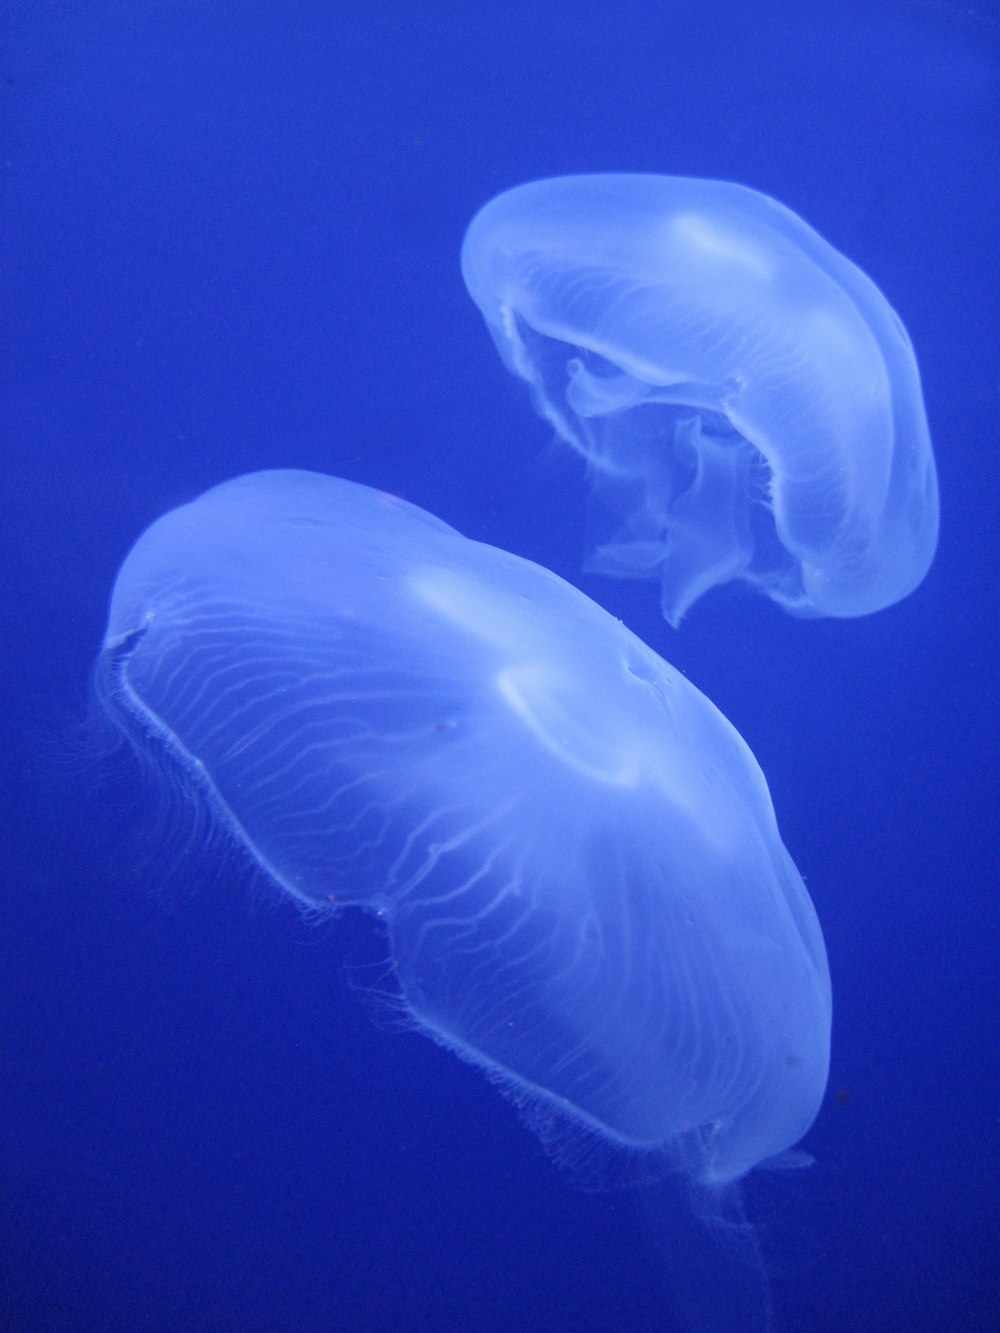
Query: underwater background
230,239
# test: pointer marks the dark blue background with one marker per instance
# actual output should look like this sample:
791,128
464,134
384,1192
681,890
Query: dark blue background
230,241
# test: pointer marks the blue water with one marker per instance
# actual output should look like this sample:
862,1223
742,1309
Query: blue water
230,242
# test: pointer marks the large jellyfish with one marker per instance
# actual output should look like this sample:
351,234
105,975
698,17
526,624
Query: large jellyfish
747,401
573,852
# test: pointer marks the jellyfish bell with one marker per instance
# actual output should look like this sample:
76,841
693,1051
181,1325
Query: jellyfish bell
574,854
747,402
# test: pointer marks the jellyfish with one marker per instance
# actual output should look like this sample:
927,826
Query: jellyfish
573,853
747,402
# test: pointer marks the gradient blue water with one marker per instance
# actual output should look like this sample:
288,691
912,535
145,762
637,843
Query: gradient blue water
232,243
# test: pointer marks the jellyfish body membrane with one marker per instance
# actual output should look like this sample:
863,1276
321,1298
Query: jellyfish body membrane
746,400
574,854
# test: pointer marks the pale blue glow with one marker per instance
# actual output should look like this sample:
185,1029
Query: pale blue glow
574,853
747,402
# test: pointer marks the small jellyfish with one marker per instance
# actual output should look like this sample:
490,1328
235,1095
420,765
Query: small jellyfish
747,402
573,853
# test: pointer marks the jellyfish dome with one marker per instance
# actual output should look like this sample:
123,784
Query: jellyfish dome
573,853
746,400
